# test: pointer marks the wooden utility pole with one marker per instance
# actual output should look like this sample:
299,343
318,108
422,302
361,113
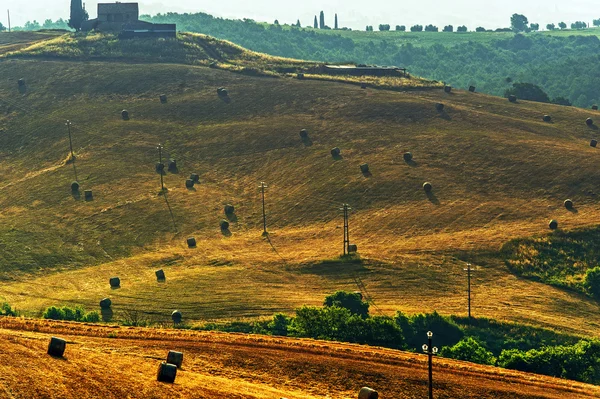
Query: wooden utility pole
8,11
262,187
345,208
469,270
70,140
162,184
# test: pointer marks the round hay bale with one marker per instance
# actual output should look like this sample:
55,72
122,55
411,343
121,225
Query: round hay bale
106,303
89,195
229,209
21,82
512,98
547,118
363,85
595,107
568,204
447,89
176,316
335,152
407,156
593,143
352,248
368,393
195,178
191,242
172,165
439,107
222,92
175,358
166,372
364,168
472,89
163,98
553,224
224,225
160,167
427,187
115,282
189,183
304,134
75,186
589,122
125,114
300,76
160,276
57,347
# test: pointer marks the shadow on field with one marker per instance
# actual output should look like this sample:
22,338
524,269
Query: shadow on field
107,315
226,232
412,163
432,198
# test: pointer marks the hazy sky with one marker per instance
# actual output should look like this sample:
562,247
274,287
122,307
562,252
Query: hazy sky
355,14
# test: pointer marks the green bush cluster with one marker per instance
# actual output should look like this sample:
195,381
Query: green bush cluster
7,310
71,314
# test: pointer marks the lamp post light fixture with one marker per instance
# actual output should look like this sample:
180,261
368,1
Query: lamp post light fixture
430,350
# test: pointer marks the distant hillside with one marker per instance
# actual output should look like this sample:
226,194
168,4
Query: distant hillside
563,63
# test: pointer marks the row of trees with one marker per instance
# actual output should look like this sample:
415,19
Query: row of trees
320,24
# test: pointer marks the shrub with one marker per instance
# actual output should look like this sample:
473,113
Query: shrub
54,313
348,300
6,310
592,281
446,332
279,325
470,350
70,314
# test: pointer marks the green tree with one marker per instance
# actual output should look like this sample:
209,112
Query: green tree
276,22
534,27
322,20
596,22
6,310
579,25
518,23
448,28
348,300
316,24
384,27
461,29
2,27
78,15
298,24
431,28
336,26
561,101
279,325
480,29
528,91
551,27
369,28
400,28
416,28
562,25
470,350
592,281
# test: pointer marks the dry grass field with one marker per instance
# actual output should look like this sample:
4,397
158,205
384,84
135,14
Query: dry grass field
498,172
120,362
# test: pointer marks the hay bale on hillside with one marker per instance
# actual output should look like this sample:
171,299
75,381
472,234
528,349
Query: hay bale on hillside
303,134
163,98
368,393
427,187
335,152
191,242
105,303
189,183
115,282
593,143
300,76
512,98
589,122
472,89
88,195
222,92
407,156
568,204
176,316
595,107
175,358
447,89
21,82
160,276
75,186
224,225
553,224
229,209
363,85
547,118
166,372
57,347
364,168
352,248
172,165
439,107
160,167
195,178
125,115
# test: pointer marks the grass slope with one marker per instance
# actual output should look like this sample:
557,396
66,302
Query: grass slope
107,362
498,171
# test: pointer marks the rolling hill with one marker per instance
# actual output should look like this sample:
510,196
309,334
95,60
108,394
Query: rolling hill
498,172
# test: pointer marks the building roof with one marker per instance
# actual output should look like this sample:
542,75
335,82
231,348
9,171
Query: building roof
117,8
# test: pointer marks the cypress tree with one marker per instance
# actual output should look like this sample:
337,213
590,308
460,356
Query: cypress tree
298,24
316,23
78,15
322,20
336,22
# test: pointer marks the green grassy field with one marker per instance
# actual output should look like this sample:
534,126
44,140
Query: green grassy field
498,171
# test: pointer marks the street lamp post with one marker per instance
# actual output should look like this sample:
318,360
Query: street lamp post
430,350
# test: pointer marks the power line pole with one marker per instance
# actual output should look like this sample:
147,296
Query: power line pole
346,208
262,187
8,11
469,270
162,184
70,139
